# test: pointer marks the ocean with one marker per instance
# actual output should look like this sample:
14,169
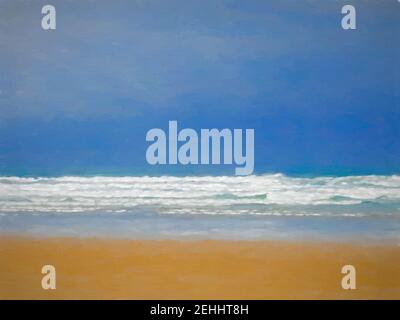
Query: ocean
269,206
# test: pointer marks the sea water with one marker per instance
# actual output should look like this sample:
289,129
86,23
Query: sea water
270,206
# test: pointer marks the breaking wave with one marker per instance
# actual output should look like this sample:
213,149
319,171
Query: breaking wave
274,194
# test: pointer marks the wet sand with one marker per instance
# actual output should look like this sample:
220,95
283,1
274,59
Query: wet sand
143,269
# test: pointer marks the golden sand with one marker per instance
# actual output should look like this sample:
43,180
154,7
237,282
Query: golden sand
130,269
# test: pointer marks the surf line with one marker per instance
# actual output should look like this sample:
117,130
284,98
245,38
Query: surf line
184,147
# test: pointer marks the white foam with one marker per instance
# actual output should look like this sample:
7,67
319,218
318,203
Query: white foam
194,195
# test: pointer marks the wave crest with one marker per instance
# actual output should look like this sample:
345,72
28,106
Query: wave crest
264,194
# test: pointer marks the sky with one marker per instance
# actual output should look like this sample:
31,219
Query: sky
80,99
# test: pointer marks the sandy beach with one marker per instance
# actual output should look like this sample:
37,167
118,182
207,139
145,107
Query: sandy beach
135,269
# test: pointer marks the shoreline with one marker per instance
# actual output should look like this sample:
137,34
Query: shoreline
306,240
103,268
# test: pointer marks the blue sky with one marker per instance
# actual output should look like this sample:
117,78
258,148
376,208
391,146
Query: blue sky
80,99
